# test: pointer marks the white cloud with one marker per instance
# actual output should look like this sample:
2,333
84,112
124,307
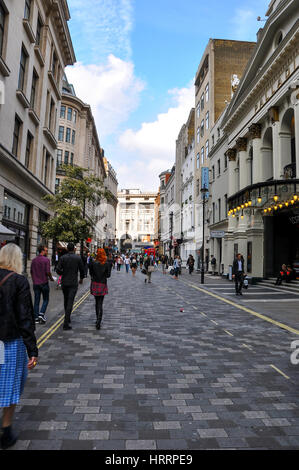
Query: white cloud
154,143
105,26
112,90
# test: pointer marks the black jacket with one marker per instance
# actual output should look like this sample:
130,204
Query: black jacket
236,266
16,311
100,272
68,266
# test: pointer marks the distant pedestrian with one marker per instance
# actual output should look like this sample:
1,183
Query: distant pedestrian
133,266
149,268
213,264
238,273
69,265
100,271
41,273
16,335
190,264
176,267
127,263
207,262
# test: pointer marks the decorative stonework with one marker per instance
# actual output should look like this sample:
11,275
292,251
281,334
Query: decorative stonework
274,114
255,131
241,143
231,154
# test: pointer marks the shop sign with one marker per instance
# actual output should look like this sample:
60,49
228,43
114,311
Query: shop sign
217,234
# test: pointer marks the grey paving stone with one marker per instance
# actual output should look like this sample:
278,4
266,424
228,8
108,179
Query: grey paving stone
93,435
141,444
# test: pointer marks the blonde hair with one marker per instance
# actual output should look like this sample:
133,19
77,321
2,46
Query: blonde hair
11,258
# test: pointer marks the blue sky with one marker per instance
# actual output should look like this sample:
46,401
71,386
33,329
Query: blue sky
136,62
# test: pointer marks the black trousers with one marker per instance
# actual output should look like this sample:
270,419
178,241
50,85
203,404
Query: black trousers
99,306
239,279
69,294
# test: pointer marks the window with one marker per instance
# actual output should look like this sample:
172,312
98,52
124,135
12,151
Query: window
198,135
207,93
218,166
59,157
33,89
57,184
198,110
62,112
38,31
47,167
54,63
219,210
66,157
225,161
213,140
73,137
27,9
22,70
225,204
197,161
75,116
213,206
207,120
202,154
213,172
68,135
197,187
28,149
207,149
69,114
51,115
202,101
16,136
202,128
2,28
72,159
61,133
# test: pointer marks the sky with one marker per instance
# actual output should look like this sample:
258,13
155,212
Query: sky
136,63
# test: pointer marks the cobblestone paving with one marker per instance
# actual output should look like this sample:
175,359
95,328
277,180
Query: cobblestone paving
155,377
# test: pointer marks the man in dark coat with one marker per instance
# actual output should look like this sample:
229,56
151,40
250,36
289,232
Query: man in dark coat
68,267
238,273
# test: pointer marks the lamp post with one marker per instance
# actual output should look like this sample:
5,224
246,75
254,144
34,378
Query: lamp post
203,191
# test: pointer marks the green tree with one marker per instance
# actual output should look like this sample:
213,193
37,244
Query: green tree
76,191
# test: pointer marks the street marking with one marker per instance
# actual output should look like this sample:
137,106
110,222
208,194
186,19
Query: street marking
230,334
59,322
203,314
195,308
241,307
246,346
214,322
280,372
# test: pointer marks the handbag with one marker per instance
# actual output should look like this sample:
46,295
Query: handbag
151,269
143,271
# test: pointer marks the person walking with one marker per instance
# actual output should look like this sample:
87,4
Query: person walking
176,267
238,273
100,271
213,264
133,266
127,263
41,273
16,335
68,267
163,262
190,264
149,267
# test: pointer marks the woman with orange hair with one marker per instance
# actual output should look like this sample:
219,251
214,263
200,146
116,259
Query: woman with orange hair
100,270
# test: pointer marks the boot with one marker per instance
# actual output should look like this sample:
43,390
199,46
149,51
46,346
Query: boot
99,320
9,437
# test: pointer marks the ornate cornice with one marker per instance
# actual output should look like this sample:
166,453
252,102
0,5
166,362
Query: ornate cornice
231,154
241,144
255,131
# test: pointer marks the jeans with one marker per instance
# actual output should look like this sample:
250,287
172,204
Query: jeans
127,267
44,290
69,294
239,279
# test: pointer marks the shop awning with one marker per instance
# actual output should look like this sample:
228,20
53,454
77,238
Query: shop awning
5,231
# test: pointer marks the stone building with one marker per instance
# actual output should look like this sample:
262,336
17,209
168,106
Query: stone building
219,72
163,214
111,184
262,128
35,47
79,145
135,220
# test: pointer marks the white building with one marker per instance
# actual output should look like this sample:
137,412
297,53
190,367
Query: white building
135,213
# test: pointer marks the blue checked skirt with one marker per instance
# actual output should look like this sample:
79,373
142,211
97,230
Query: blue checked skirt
13,372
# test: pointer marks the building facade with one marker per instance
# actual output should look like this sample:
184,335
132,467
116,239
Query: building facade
135,227
262,127
219,72
35,47
111,184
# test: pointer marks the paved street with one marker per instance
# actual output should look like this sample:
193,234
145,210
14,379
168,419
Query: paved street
212,376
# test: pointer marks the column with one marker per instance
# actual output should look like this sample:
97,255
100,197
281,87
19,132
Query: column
276,152
255,133
231,155
241,143
295,103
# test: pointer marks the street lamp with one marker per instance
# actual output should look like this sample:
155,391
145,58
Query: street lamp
203,191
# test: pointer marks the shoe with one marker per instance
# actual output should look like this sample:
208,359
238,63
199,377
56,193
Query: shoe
9,438
98,325
37,320
67,327
42,318
240,293
145,280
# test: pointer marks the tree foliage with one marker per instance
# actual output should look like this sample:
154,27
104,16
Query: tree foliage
77,190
